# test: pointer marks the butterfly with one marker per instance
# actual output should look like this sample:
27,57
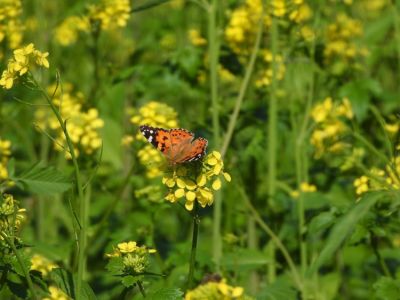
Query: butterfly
177,145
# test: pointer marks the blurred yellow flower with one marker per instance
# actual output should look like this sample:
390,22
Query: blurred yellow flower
56,294
195,38
111,14
216,290
42,264
67,32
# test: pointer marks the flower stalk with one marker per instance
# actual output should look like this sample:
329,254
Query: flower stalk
196,223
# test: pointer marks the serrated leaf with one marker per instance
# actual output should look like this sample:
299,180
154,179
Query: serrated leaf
43,180
166,294
343,228
115,266
128,281
16,266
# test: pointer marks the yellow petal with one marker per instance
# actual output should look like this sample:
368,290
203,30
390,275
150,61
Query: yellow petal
180,183
216,185
217,155
227,176
190,185
179,193
190,196
212,161
189,205
201,180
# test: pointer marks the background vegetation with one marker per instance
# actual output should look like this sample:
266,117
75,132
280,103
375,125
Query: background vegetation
299,100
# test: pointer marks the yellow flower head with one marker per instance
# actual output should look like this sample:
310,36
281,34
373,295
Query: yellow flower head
196,183
216,289
111,14
10,214
42,264
24,59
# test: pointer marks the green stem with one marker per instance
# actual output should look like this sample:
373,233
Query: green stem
243,89
274,238
396,30
381,261
82,202
141,288
196,222
213,53
272,137
10,242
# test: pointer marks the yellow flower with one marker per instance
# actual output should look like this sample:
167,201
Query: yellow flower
111,14
42,264
24,59
56,294
127,247
67,32
195,38
10,214
216,289
181,181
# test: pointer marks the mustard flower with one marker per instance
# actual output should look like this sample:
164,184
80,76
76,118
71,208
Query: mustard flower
42,264
330,119
67,32
82,126
216,290
196,184
266,76
133,259
195,38
5,153
23,60
56,294
11,27
155,114
111,14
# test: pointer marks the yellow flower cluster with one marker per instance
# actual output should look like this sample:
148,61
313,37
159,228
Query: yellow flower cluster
42,264
155,114
5,153
9,208
24,59
83,126
330,126
265,78
379,179
56,294
67,32
111,14
108,15
305,187
135,258
341,45
194,184
216,290
242,27
10,23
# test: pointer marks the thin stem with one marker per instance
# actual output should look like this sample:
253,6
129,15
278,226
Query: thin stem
196,222
213,53
10,242
272,137
243,89
141,288
79,187
274,238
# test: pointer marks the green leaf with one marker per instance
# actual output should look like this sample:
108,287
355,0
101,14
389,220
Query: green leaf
16,266
128,281
280,289
18,289
166,294
43,180
387,288
343,228
115,266
244,258
87,292
148,4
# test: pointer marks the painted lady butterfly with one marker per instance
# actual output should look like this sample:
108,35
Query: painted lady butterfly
178,145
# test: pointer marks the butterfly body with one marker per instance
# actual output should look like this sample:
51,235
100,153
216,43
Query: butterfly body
178,145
